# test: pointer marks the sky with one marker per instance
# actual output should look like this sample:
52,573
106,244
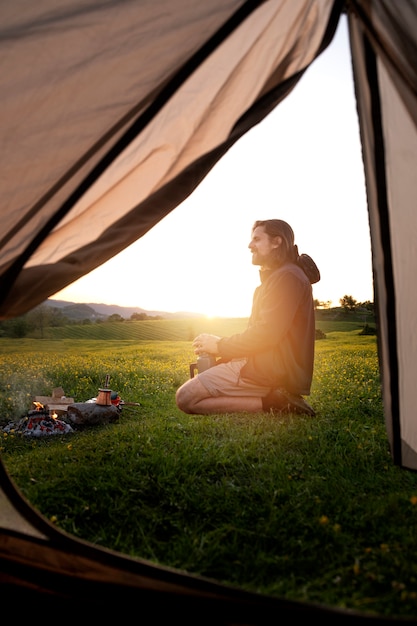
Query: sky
301,164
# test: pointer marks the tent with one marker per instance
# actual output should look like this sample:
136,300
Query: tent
112,112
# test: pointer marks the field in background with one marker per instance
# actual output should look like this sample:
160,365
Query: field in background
174,330
78,357
147,330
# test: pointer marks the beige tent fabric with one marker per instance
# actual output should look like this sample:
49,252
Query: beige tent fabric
197,118
11,519
77,78
388,122
400,133
74,76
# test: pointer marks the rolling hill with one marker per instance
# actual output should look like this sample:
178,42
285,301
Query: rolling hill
93,310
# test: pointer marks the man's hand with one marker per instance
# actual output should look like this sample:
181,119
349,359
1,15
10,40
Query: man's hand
206,344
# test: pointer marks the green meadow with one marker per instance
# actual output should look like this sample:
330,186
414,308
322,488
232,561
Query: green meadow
308,509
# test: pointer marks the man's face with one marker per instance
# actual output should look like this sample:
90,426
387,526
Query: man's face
261,246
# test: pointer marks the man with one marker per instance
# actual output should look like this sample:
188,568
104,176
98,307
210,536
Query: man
269,366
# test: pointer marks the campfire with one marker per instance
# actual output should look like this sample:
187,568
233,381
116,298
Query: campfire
58,414
39,421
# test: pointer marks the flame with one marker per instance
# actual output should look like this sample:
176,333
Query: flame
38,406
54,415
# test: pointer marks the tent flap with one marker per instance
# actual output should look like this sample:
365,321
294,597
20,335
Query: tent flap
95,139
384,54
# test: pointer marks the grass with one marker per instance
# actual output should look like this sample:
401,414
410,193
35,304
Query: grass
307,509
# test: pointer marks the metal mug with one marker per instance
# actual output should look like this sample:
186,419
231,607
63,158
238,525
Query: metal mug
204,362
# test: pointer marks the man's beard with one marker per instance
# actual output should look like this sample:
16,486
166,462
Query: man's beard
260,259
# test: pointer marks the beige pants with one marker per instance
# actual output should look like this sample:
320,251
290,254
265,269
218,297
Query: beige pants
225,380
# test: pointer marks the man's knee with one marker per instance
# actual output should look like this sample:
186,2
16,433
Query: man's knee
189,394
181,400
185,397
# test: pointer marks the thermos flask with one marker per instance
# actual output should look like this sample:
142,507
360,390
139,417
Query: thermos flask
204,361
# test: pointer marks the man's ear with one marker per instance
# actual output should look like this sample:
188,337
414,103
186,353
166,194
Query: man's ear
277,241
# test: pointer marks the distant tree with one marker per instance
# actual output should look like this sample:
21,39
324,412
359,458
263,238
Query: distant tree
136,317
20,327
348,303
369,306
40,317
57,318
115,317
318,304
17,327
